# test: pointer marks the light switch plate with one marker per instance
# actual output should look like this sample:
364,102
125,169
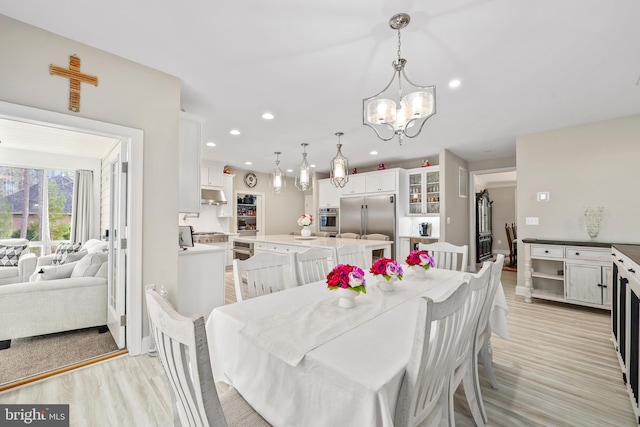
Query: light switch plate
532,220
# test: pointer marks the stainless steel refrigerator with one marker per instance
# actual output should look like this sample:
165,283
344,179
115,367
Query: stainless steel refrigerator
369,215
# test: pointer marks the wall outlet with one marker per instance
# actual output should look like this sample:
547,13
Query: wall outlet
448,220
532,220
499,242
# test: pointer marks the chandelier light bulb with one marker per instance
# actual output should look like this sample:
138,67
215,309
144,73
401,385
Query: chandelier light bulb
303,172
278,177
339,167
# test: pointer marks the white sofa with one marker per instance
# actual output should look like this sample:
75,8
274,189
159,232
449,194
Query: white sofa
26,264
61,298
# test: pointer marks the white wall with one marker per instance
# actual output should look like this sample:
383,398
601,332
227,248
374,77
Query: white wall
596,164
128,94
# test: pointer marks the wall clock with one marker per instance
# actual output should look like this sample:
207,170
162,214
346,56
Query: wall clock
250,180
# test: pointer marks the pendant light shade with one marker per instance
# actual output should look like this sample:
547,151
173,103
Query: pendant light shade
278,179
304,180
339,167
402,107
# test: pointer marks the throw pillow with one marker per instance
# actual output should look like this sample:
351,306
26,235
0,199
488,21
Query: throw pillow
63,250
54,272
90,264
9,255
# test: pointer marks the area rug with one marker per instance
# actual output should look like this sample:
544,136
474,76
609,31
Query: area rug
36,355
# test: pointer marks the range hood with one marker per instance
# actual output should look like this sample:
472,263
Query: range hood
212,197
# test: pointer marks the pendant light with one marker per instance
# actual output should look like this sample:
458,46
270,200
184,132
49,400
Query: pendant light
339,167
278,179
402,107
303,172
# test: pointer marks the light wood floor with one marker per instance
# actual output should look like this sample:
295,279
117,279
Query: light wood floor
557,369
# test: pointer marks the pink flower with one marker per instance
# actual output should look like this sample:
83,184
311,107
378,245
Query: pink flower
347,277
420,258
387,268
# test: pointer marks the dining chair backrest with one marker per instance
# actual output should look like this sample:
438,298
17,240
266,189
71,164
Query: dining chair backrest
423,393
446,255
352,254
348,236
320,234
314,264
182,346
478,289
375,236
494,283
263,273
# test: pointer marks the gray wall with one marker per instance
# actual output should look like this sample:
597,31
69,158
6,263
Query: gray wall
504,211
282,210
456,208
595,164
128,94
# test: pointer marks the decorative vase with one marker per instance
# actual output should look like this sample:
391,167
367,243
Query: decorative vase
386,285
593,217
306,231
419,272
346,297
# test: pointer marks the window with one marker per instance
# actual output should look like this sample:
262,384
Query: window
36,208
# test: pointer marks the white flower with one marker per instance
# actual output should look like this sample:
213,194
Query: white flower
355,280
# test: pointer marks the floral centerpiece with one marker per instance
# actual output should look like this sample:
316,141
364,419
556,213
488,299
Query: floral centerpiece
305,220
420,261
388,268
348,281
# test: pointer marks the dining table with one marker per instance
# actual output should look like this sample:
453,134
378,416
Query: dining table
301,360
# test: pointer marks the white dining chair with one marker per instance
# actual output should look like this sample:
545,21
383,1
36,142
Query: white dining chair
446,255
263,273
352,254
377,253
182,346
423,395
314,264
482,351
462,369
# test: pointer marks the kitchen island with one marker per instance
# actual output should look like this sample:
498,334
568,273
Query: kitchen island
286,243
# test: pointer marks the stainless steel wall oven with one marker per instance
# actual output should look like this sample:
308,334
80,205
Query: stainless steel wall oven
328,220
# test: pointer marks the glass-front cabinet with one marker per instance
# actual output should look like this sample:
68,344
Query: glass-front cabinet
424,191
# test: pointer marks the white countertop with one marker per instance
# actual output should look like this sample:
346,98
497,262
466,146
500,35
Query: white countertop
326,242
417,236
200,248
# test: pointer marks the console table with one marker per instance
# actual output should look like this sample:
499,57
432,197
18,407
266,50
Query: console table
568,271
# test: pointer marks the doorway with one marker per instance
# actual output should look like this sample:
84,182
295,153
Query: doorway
133,210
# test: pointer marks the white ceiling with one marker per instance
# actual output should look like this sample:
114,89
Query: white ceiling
525,66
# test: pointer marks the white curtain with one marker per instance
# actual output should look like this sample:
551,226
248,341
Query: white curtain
82,202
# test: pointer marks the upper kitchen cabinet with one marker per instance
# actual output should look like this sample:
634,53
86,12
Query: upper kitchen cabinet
355,185
424,191
376,182
211,176
328,195
189,163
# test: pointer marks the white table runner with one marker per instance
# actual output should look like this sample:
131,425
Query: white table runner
292,334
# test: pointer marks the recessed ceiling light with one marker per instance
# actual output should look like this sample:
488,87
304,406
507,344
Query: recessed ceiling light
454,83
373,153
248,163
289,170
313,166
211,144
234,132
267,116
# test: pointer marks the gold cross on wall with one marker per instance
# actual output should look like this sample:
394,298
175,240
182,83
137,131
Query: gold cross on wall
75,78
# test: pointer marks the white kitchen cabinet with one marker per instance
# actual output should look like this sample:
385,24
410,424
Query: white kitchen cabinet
376,182
568,272
200,280
328,195
356,185
189,163
211,177
424,191
226,211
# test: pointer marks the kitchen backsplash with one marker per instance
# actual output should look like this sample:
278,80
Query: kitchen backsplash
409,225
207,221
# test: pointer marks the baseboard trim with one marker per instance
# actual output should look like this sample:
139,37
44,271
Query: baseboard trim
62,370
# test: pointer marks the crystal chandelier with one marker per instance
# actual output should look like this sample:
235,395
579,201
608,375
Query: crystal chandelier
339,167
303,172
402,107
278,179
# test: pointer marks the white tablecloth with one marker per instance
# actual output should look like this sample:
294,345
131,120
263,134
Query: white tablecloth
351,380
